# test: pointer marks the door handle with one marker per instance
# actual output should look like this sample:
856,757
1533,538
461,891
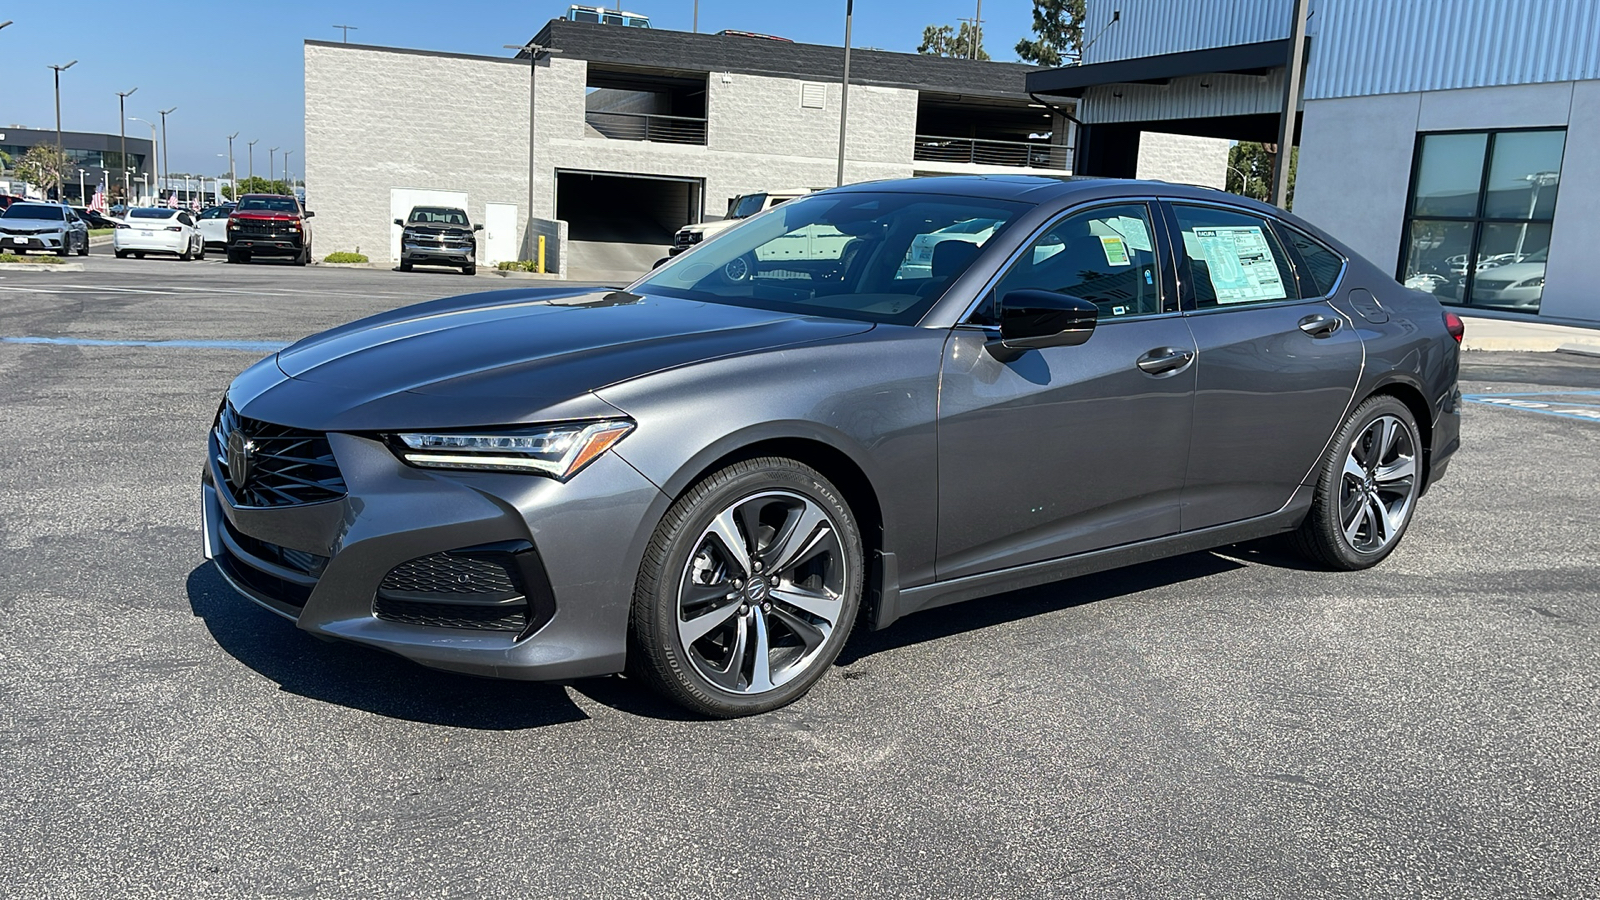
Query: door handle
1164,361
1319,326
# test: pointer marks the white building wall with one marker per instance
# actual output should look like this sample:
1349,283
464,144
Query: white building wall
378,119
1570,290
1355,169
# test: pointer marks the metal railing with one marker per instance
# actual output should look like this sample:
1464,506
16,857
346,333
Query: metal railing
977,151
621,126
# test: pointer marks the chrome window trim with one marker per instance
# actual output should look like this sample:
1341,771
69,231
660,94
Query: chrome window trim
1152,211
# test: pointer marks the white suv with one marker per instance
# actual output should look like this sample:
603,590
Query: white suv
741,207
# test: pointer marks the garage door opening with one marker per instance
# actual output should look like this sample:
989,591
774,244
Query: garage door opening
619,225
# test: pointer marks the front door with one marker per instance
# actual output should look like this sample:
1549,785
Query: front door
1276,374
499,233
1068,449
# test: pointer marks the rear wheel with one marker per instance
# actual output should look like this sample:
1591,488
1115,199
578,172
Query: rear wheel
138,254
1367,488
748,589
121,254
188,252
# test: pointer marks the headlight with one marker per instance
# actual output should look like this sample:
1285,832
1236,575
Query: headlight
559,451
1536,281
408,233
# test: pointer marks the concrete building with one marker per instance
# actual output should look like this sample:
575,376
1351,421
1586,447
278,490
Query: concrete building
98,156
1457,142
627,134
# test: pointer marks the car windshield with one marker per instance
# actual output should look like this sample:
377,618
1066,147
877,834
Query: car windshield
851,255
268,204
748,205
216,212
152,214
32,211
432,215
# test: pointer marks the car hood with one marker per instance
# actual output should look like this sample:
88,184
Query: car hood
510,356
451,230
32,223
1512,272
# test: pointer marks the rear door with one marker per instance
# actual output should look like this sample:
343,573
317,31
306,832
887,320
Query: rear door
1277,369
1065,450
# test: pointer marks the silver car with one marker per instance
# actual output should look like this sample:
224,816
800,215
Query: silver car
708,479
46,227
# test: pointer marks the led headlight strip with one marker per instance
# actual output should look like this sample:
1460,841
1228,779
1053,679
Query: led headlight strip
560,451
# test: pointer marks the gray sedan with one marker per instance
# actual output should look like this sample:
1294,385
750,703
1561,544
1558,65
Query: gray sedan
49,227
706,480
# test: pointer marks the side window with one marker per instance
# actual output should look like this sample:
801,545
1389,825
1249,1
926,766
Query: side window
1104,256
1322,263
1233,258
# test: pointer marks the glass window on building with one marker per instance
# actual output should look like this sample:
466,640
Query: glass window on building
1478,222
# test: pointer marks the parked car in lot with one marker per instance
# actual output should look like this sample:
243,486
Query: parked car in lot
438,236
739,208
269,225
49,227
157,229
94,219
213,222
1512,284
708,478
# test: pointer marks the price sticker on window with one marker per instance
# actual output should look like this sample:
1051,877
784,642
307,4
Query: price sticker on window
1116,250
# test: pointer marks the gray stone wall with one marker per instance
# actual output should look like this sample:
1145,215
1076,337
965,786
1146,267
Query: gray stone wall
380,119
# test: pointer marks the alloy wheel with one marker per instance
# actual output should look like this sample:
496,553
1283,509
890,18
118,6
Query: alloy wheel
1378,485
761,592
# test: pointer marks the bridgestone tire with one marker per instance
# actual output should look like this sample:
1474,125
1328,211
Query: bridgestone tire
1321,537
657,654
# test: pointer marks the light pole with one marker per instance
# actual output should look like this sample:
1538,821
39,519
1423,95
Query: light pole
81,173
252,148
347,30
5,23
272,170
155,153
233,182
122,119
533,50
61,152
1244,181
164,166
844,97
286,179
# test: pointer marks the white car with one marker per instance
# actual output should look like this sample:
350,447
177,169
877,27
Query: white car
739,208
155,229
1518,284
213,223
919,256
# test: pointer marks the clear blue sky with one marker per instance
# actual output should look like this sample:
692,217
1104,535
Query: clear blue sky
235,66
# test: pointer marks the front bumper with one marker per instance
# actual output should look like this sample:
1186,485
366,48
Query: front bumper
588,533
438,254
274,245
51,240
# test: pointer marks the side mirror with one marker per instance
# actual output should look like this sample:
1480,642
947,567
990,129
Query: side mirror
1032,320
477,228
400,223
309,214
661,262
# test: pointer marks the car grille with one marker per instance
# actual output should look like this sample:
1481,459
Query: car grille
285,466
1494,284
263,228
499,587
685,239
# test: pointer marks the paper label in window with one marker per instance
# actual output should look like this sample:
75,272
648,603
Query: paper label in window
1116,250
1242,267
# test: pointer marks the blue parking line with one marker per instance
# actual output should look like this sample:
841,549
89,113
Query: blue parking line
1526,401
253,346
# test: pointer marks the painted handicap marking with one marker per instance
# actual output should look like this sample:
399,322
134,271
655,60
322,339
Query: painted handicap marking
1583,405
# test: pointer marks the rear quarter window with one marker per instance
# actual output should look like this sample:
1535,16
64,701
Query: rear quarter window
1323,263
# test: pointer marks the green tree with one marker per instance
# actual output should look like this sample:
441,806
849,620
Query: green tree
1057,32
255,184
1250,170
43,165
5,160
942,40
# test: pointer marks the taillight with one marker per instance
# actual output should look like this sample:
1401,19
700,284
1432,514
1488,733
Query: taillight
1454,325
120,225
174,228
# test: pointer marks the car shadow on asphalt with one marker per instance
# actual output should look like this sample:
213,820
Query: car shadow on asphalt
362,678
985,612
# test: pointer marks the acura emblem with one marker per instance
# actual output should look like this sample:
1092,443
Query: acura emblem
241,456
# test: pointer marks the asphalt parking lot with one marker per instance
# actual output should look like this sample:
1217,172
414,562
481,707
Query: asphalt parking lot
1223,724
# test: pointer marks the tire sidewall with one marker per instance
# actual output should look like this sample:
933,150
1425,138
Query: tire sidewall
656,599
1331,483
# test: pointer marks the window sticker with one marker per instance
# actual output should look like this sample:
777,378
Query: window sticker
1130,229
1116,251
1242,267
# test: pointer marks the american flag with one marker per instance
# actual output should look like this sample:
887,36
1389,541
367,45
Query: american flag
99,203
172,200
194,204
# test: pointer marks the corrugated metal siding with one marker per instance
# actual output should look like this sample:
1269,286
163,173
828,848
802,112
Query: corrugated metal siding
1228,95
1154,27
1366,47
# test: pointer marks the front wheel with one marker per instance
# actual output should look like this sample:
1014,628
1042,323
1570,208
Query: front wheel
1367,488
748,589
470,269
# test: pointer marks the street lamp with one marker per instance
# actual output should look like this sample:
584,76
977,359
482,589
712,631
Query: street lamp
233,182
1244,180
5,23
252,147
122,119
271,165
534,51
844,99
61,152
164,166
286,179
81,173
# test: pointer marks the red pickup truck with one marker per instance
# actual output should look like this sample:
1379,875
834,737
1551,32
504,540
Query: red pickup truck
269,225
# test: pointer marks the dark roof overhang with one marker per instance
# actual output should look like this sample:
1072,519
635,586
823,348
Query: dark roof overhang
1242,59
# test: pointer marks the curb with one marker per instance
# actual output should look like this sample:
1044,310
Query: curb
41,267
1591,350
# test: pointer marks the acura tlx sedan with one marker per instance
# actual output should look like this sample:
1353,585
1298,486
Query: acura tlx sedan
707,479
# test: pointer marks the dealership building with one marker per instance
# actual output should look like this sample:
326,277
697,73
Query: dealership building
1453,142
91,160
626,134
